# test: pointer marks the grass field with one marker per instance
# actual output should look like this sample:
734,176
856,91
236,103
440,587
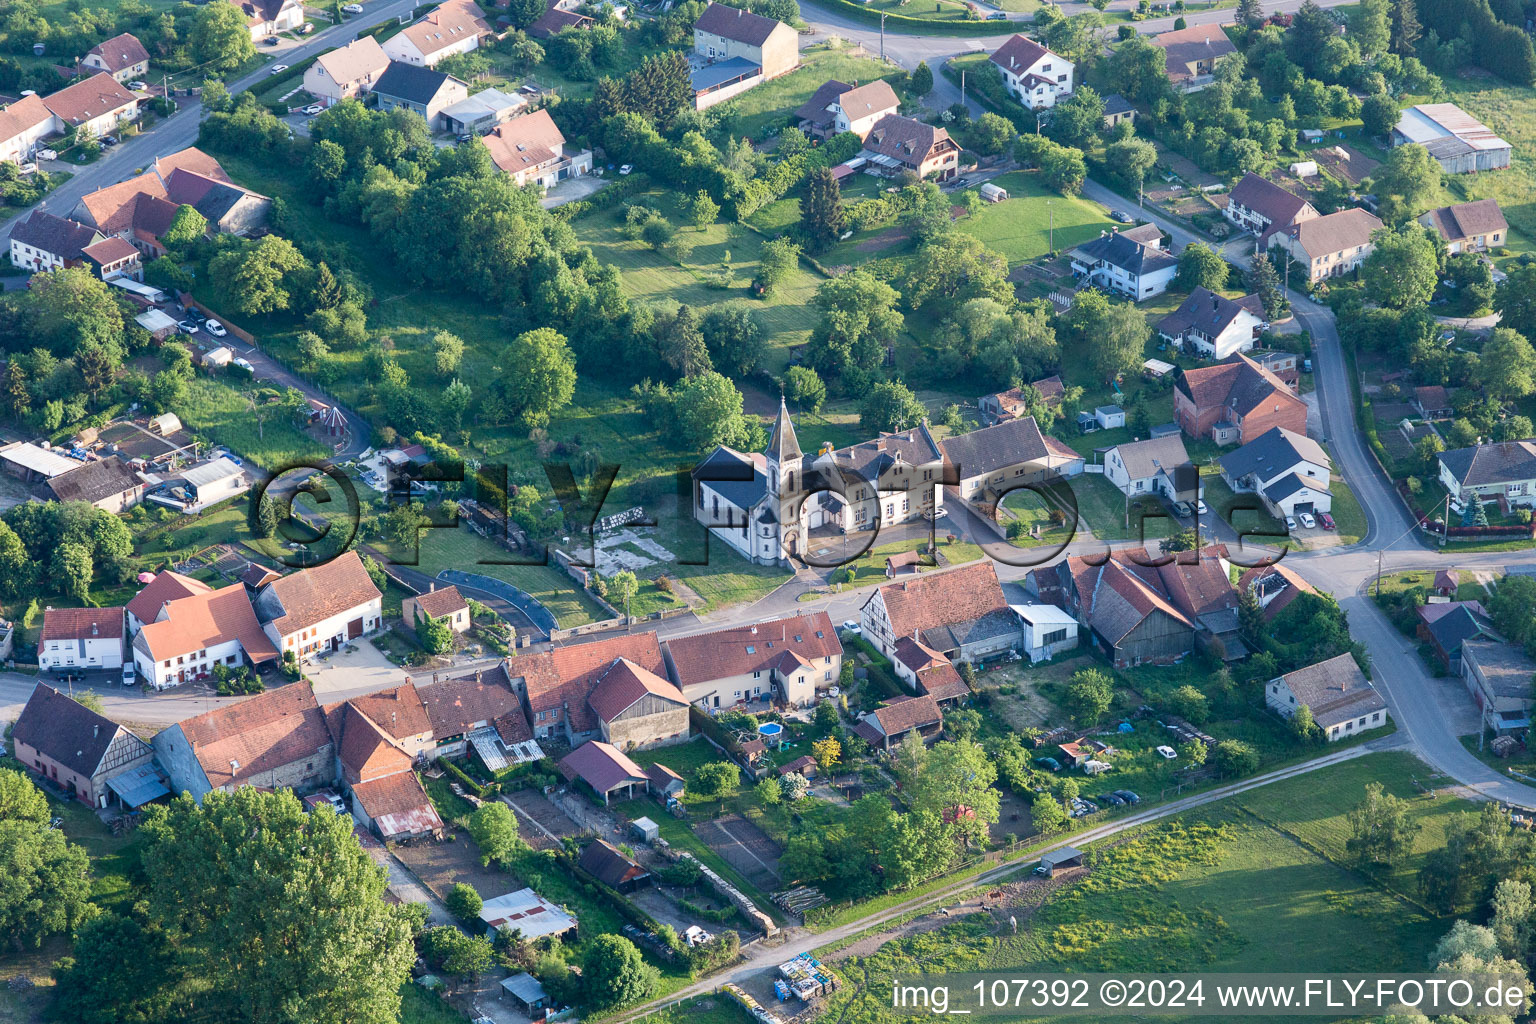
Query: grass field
461,549
1102,507
223,415
774,102
1259,882
418,1006
1031,508
1510,111
786,319
1019,227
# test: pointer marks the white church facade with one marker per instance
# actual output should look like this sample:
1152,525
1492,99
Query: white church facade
767,505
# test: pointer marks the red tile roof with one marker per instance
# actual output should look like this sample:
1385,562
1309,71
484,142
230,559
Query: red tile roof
1237,382
904,713
399,711
365,751
453,706
205,620
22,116
624,683
165,587
311,596
82,624
120,52
393,795
601,765
191,159
442,602
603,861
268,731
741,649
1018,53
566,676
942,598
100,94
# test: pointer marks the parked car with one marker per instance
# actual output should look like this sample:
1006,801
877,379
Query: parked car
1121,216
313,109
1128,796
627,168
138,86
852,626
1114,799
936,513
1290,524
269,41
197,316
1183,509
1306,366
277,69
187,327
215,328
353,8
1048,762
1201,507
1326,520
109,140
307,28
997,16
466,137
1167,753
130,674
244,365
1307,520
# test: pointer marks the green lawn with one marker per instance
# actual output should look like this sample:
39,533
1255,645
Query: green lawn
925,10
870,567
1255,883
224,415
418,1006
1031,508
773,103
469,552
1019,227
787,318
1102,507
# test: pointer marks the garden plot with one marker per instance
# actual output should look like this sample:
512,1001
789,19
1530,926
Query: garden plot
744,847
553,824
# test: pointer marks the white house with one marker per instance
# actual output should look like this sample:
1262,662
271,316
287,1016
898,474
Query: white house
346,71
1119,263
789,659
45,242
1032,74
1340,697
74,639
1048,630
1289,471
93,107
455,27
838,107
1152,468
1488,472
188,637
268,17
1212,326
23,125
320,609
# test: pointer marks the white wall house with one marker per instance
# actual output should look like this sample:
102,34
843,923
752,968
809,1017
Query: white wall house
1212,326
320,609
1115,262
1032,74
1491,471
1147,467
76,639
24,124
1342,700
1289,471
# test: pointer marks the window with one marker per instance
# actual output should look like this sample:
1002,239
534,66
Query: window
757,675
1055,636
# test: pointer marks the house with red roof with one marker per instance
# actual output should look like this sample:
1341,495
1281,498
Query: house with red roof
275,740
376,752
182,630
1032,74
890,724
76,639
322,608
1144,609
959,613
613,688
788,659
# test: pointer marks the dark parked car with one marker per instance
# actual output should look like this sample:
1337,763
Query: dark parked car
1128,796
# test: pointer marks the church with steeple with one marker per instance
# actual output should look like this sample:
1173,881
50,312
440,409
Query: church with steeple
766,504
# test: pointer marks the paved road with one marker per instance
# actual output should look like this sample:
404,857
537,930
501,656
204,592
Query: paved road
764,957
180,129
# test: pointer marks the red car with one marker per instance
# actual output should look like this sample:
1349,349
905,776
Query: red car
1326,520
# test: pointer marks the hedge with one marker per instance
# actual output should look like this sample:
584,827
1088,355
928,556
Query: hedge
626,909
605,198
879,669
469,783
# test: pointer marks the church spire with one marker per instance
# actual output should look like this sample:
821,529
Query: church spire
783,445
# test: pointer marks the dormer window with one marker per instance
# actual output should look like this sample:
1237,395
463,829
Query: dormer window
751,649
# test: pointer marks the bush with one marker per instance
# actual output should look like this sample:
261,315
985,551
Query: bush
464,902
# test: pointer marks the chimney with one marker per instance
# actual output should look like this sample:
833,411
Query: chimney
234,766
431,588
96,730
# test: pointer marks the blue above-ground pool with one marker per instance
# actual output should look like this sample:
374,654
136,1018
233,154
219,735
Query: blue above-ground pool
770,728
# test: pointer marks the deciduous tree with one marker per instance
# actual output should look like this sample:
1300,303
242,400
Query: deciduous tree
890,406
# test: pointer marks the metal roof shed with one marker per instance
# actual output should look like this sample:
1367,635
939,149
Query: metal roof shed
1066,857
645,830
526,990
